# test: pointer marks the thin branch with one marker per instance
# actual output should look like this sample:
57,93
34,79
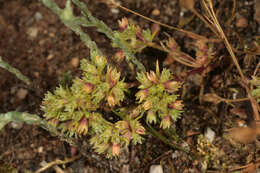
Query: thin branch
15,71
57,162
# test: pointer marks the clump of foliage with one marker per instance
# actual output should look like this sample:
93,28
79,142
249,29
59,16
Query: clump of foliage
157,96
209,154
80,109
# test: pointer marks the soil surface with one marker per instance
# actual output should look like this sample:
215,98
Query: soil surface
35,41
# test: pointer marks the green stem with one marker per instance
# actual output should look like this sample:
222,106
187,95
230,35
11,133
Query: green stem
15,71
164,139
103,28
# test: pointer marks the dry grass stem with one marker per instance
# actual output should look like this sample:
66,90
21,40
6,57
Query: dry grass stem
57,162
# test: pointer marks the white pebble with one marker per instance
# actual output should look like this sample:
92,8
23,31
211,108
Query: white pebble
114,10
156,169
38,16
210,134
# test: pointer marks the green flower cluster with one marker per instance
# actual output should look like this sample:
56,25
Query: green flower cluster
71,109
157,97
110,138
75,110
133,36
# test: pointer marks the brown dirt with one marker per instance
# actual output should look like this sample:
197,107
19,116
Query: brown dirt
33,40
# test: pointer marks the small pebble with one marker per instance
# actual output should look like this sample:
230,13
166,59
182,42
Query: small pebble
16,125
38,16
50,56
74,62
210,134
22,93
156,12
40,149
114,10
156,169
32,32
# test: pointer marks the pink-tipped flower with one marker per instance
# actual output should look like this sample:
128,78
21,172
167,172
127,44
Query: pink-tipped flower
113,76
172,45
139,34
166,122
142,94
140,130
88,87
119,56
152,77
83,126
171,86
147,105
115,149
123,23
100,61
111,100
176,105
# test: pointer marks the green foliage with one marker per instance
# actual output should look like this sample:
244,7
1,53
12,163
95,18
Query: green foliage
132,36
157,97
72,107
79,109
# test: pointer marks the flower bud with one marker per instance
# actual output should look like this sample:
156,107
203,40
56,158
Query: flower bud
123,24
147,105
115,149
166,122
113,76
111,100
171,86
142,94
119,56
152,77
140,130
83,126
172,45
176,105
139,34
87,87
151,117
100,61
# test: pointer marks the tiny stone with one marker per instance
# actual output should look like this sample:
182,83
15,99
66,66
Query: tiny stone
175,155
210,134
114,10
22,93
40,149
38,16
156,169
156,12
16,125
32,32
74,62
50,56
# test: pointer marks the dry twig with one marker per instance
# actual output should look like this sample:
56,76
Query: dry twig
57,162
